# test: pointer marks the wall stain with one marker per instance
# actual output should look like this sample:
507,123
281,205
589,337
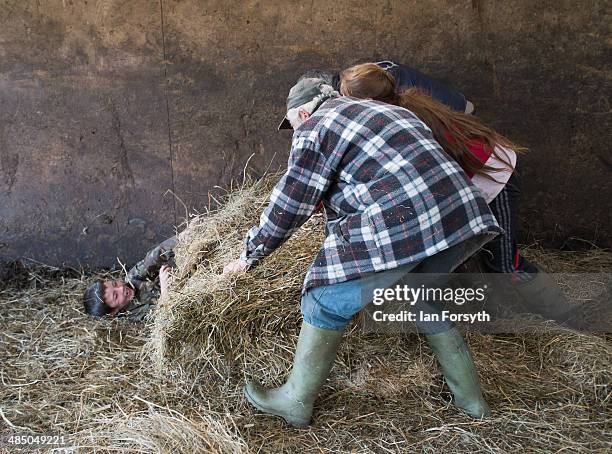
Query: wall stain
9,163
121,167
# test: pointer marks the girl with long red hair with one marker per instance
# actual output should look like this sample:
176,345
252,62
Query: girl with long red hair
489,159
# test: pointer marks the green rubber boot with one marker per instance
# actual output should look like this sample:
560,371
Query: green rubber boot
458,367
542,295
314,358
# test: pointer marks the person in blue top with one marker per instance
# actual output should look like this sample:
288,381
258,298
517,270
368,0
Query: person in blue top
405,77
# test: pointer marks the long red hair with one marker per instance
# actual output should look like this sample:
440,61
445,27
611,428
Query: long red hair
454,131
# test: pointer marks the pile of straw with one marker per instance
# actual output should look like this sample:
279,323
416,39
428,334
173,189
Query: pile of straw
176,386
227,321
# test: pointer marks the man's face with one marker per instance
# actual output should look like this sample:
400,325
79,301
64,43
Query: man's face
297,116
117,294
294,118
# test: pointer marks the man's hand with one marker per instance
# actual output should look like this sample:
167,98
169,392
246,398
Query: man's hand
164,275
237,266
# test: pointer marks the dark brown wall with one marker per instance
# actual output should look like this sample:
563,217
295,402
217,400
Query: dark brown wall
107,105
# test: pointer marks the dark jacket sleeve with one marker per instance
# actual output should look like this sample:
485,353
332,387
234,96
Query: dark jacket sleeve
407,77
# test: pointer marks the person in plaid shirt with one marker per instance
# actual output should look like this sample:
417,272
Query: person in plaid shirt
395,204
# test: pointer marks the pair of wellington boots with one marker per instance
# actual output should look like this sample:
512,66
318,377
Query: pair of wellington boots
314,358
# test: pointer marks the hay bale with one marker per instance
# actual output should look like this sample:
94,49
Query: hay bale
239,318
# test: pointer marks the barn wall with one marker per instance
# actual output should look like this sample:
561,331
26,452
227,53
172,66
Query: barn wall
109,109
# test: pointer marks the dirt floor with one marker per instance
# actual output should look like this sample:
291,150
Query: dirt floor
63,372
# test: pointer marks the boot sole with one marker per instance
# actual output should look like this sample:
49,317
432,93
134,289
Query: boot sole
298,424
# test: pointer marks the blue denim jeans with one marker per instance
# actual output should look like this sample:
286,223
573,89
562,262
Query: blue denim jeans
333,306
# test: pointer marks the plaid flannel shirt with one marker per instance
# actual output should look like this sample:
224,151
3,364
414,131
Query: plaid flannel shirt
391,195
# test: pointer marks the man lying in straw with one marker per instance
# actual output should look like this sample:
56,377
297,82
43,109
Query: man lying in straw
137,295
395,204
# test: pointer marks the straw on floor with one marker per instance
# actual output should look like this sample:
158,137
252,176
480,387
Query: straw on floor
174,386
